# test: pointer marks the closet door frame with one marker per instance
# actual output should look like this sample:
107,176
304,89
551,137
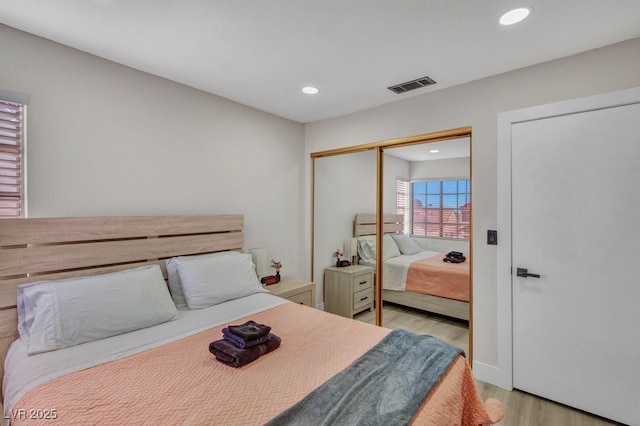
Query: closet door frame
380,147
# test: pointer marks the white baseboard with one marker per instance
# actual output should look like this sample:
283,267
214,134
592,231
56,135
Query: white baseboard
486,373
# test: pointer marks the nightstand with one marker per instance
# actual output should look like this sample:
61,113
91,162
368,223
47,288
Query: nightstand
348,290
295,290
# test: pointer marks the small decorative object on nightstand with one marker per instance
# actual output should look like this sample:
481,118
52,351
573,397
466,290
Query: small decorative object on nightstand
277,265
338,255
295,290
348,290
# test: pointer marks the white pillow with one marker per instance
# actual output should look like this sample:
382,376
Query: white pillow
367,248
390,248
406,244
175,286
210,280
58,314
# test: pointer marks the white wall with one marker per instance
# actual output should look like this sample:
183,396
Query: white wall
394,168
104,139
453,168
477,104
344,185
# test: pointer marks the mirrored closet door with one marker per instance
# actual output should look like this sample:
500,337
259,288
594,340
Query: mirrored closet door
426,285
422,197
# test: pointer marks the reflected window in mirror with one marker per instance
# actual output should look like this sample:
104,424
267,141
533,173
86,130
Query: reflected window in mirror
435,208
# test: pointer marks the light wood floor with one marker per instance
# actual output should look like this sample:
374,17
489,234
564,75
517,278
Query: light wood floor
521,409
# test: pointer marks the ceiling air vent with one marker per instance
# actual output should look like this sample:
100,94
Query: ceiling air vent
412,85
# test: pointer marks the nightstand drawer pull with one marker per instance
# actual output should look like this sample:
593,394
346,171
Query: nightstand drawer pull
362,282
362,299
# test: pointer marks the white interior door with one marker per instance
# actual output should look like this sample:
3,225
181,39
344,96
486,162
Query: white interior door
576,222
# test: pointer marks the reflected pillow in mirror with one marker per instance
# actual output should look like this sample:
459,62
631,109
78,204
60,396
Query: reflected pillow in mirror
406,244
367,248
390,248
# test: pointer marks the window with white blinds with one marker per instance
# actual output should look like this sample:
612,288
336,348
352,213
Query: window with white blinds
441,208
11,159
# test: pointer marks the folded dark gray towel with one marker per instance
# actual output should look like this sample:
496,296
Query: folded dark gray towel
454,257
241,342
250,330
229,354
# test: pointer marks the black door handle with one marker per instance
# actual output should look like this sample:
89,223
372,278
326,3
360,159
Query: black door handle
524,272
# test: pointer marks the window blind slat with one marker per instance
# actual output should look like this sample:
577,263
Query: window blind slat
9,203
8,125
9,180
9,154
7,167
10,173
10,114
9,189
12,140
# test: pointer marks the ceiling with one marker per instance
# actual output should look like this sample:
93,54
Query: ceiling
261,53
442,150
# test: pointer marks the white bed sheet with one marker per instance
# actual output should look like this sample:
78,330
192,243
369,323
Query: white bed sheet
23,372
395,269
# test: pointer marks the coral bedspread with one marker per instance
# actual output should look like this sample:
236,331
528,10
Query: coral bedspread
433,276
182,383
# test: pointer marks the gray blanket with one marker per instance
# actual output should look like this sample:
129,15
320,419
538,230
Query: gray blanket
385,386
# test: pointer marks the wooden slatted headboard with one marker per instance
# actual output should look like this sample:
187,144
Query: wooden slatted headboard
42,249
365,224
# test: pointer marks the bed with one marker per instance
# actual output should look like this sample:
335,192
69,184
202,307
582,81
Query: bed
418,279
164,372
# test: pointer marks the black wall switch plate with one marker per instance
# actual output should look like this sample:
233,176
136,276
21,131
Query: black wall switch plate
492,237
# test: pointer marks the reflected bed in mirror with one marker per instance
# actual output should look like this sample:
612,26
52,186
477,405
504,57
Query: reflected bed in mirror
418,278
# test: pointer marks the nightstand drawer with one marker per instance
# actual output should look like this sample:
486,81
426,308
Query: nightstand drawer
301,298
362,299
362,282
295,290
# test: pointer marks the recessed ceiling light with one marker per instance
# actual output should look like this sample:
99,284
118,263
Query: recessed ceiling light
310,90
514,16
434,151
